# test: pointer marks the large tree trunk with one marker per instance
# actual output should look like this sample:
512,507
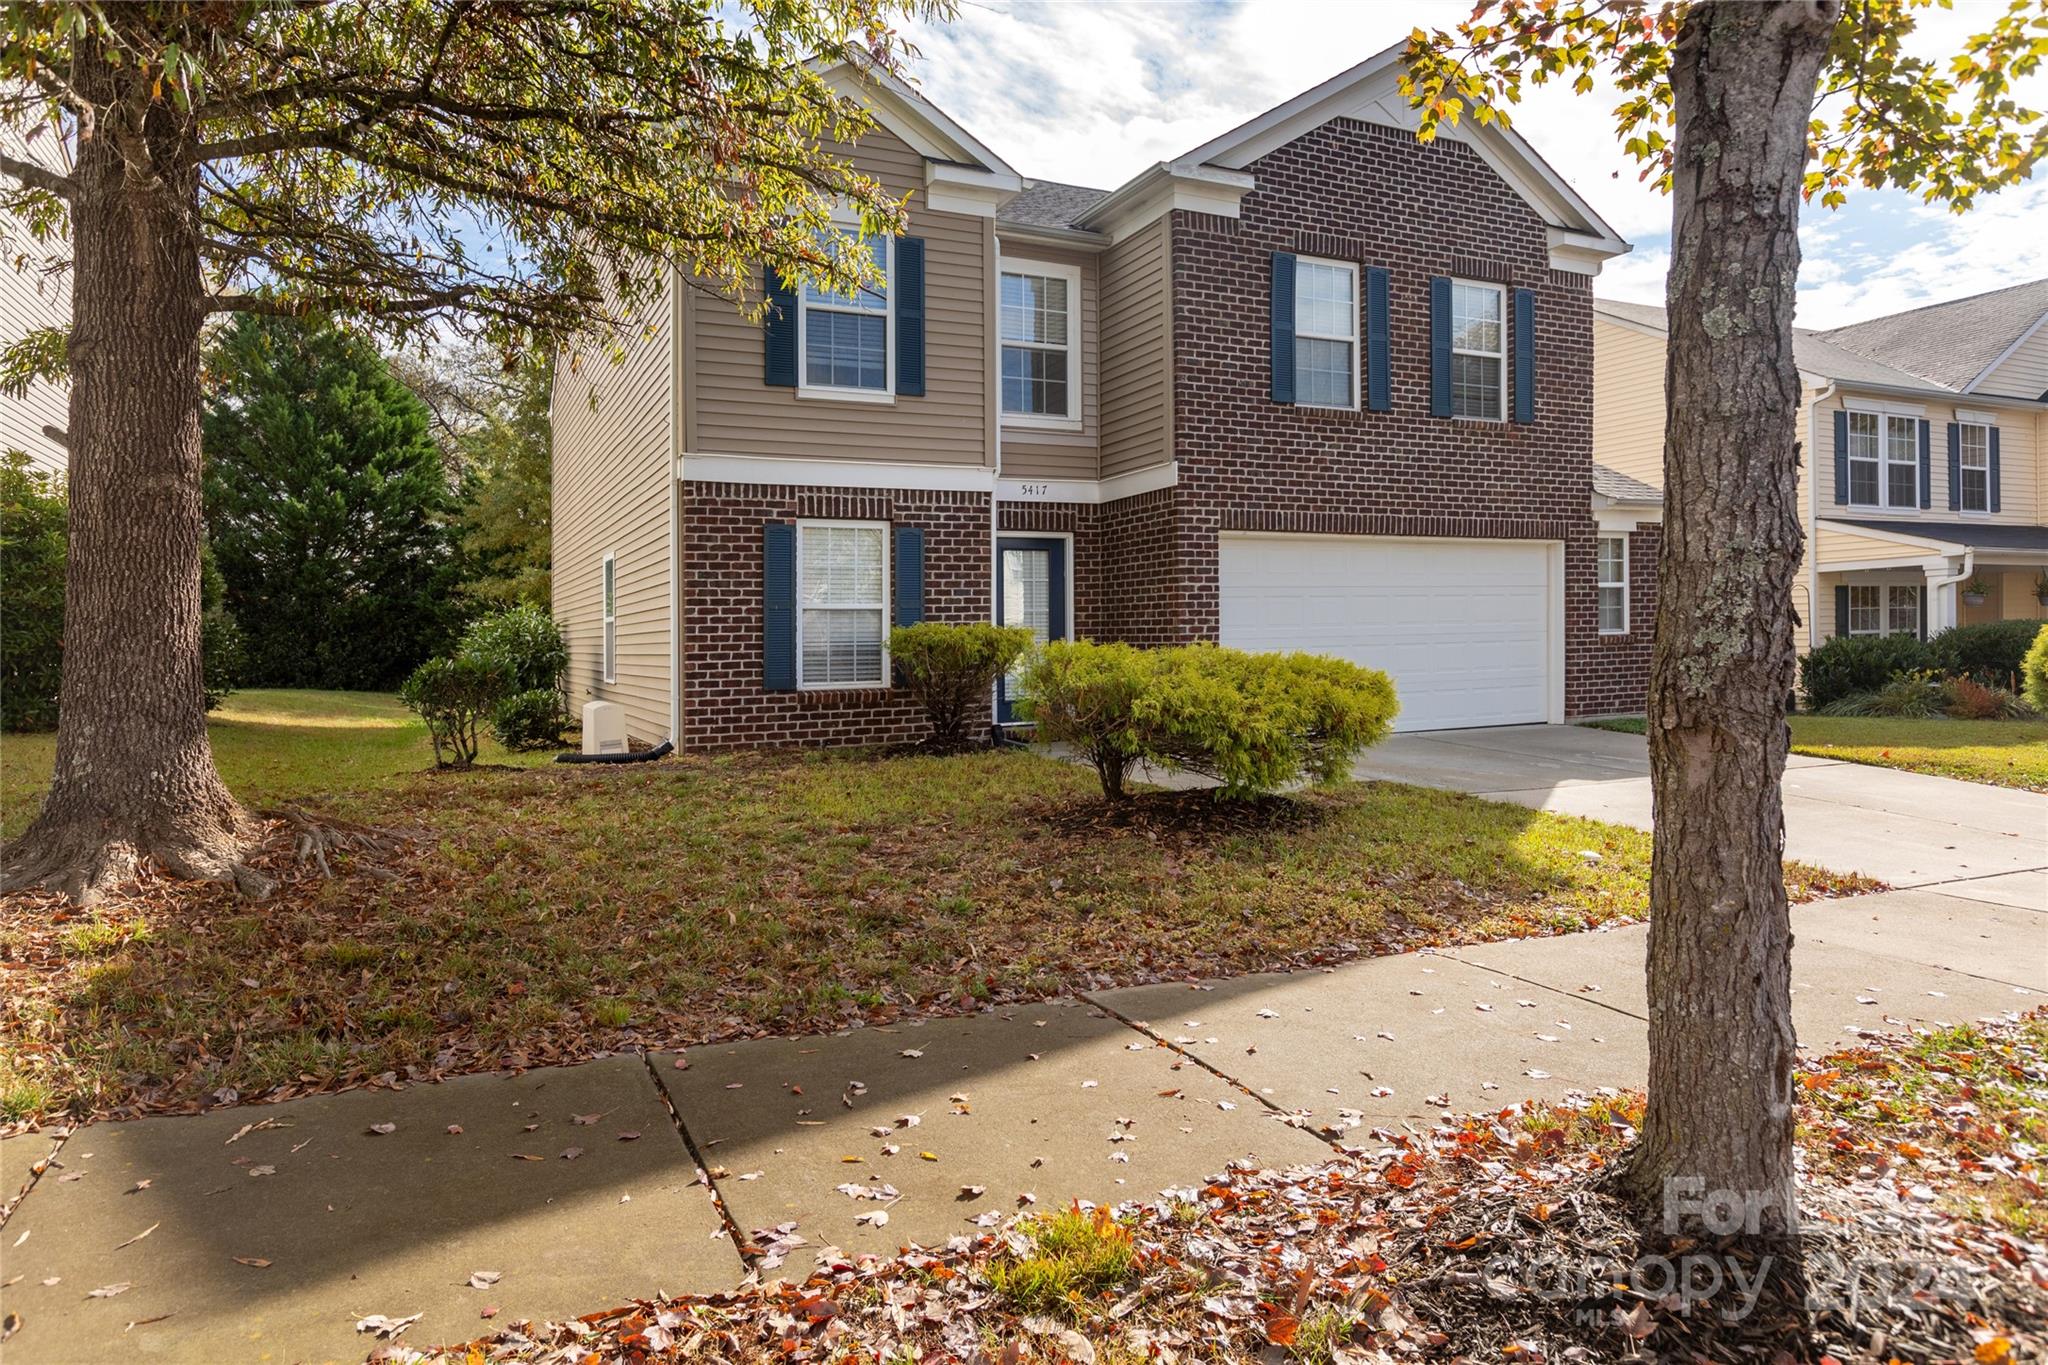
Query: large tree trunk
1719,1125
135,777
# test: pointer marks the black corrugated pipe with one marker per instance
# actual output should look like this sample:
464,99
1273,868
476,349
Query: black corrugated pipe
661,750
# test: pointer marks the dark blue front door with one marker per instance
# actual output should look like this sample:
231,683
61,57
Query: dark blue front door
1031,591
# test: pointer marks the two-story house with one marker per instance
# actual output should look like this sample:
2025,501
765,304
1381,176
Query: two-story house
1313,385
1922,485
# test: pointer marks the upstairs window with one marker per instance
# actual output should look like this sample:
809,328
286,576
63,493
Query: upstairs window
1902,461
844,339
1974,448
1613,585
1041,337
842,597
1325,334
1478,350
1863,459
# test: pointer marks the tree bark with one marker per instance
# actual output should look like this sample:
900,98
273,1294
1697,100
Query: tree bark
134,777
1719,1121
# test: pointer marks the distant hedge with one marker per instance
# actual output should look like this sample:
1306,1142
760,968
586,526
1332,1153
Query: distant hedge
32,550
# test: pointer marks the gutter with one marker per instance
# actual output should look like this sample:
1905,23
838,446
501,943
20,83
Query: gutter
995,489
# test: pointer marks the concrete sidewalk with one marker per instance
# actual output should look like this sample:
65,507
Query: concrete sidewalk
576,1188
1907,829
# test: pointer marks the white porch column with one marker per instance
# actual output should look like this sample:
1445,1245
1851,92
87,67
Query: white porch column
1941,601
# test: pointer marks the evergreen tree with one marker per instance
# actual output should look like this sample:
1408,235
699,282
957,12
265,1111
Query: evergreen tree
327,507
507,461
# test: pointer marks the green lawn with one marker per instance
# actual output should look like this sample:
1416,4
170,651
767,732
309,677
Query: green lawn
544,912
2007,753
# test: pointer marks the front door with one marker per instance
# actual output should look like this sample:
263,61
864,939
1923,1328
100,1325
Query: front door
1031,591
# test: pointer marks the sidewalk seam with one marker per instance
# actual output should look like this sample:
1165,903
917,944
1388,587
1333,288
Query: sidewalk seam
1546,986
675,1117
36,1171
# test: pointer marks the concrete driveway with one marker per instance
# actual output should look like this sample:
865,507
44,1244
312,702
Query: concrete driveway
1981,842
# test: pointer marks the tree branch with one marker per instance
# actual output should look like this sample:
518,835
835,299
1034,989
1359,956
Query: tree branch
39,177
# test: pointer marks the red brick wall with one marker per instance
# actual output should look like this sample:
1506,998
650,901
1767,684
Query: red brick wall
724,704
1613,674
1357,192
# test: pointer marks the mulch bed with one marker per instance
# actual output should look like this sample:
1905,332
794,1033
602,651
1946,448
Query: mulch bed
1487,1238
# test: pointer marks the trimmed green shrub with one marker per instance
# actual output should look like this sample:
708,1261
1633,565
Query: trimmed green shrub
32,552
2034,673
1251,722
1911,696
1257,722
453,696
1081,693
529,720
1991,653
950,669
1849,664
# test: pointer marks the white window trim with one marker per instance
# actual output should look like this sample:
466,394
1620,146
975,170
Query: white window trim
1889,589
1501,292
1962,507
837,393
1599,583
1353,341
887,611
1848,627
1023,265
1886,463
608,613
1849,494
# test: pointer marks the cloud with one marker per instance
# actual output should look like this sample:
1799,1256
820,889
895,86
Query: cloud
1093,94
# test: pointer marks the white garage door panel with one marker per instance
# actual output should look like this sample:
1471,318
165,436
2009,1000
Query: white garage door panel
1462,627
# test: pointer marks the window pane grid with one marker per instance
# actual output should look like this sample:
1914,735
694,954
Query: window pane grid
1478,350
1865,611
1035,381
1863,461
1902,607
844,618
846,337
1612,577
1975,492
1035,309
1325,334
1902,461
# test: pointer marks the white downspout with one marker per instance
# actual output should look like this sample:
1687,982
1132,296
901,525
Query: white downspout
1933,584
1813,515
995,489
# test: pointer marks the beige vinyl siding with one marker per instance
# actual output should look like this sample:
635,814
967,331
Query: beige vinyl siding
731,412
2014,596
2018,456
31,299
613,481
1846,547
1628,401
2024,373
1034,452
1137,353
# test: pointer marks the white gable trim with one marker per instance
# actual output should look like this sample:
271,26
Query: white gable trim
927,128
2022,339
1370,91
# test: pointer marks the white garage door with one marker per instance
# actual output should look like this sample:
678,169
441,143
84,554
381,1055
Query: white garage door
1462,626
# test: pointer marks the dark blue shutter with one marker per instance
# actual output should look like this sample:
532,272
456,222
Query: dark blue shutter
1525,355
909,575
1283,327
1379,367
1994,468
1955,467
778,606
1920,595
1842,456
1841,609
909,287
1926,466
778,335
1439,346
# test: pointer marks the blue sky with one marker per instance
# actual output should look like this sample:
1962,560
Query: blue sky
1093,93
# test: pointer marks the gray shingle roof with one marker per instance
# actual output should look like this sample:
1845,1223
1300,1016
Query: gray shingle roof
1982,535
1815,352
1949,343
1048,203
1609,483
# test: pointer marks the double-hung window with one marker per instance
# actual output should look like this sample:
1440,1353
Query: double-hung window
1973,441
842,597
1613,585
1902,609
1478,350
844,338
1863,458
1041,337
1901,461
1866,609
611,620
1325,334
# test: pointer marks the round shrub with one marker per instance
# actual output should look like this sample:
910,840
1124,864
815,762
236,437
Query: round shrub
950,669
453,695
1084,694
1991,653
525,643
1851,664
529,720
2034,673
32,549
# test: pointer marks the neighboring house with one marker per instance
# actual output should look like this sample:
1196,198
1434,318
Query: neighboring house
1314,385
33,296
1928,427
